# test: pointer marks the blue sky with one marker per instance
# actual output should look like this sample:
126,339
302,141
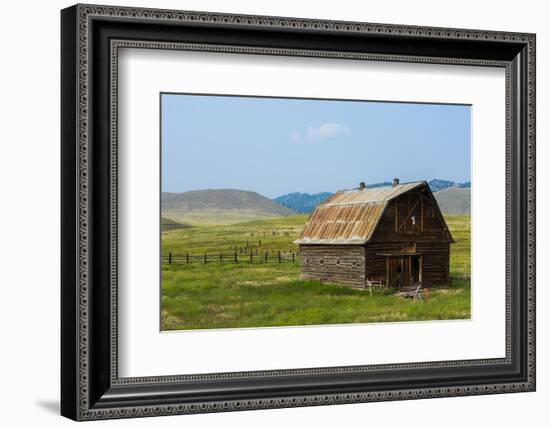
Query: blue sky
274,145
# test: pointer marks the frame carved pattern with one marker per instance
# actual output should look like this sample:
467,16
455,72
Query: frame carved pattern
88,12
116,45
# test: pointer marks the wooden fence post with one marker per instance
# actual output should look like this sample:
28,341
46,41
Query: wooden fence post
205,258
169,258
265,256
279,255
235,256
251,256
221,257
187,257
292,257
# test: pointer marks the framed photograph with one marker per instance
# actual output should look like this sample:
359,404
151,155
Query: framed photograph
263,212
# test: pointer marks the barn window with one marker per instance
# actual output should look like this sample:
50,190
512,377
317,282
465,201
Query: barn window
307,261
321,261
354,263
337,263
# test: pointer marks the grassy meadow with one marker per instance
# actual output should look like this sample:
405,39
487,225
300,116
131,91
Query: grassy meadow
258,294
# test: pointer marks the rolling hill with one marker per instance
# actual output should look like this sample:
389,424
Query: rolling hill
454,200
169,224
219,206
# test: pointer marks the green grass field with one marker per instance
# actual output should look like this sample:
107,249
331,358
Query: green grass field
227,295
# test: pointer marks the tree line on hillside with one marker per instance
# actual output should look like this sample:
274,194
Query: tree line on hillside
305,203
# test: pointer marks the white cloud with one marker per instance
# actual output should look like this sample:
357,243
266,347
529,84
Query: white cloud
324,132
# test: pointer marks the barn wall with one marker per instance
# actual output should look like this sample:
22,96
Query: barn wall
435,260
343,265
351,265
426,227
435,268
428,236
376,265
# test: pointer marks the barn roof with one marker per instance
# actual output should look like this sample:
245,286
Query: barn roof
351,216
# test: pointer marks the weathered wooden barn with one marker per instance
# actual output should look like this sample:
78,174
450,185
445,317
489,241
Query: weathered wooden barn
395,235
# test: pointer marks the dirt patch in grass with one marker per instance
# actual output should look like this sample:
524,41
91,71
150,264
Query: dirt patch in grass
255,283
169,322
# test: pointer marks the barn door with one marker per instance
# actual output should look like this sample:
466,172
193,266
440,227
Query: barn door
416,269
398,272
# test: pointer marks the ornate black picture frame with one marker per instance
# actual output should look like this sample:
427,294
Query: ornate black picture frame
91,36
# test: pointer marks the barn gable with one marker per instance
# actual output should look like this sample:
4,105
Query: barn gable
352,217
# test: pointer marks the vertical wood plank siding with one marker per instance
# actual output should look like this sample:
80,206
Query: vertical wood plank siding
375,264
435,264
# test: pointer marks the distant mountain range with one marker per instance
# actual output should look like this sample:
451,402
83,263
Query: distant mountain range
455,202
227,206
440,184
219,206
300,202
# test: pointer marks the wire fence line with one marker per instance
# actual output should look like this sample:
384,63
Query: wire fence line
235,257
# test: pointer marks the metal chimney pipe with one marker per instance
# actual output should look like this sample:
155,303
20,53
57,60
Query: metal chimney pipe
395,182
